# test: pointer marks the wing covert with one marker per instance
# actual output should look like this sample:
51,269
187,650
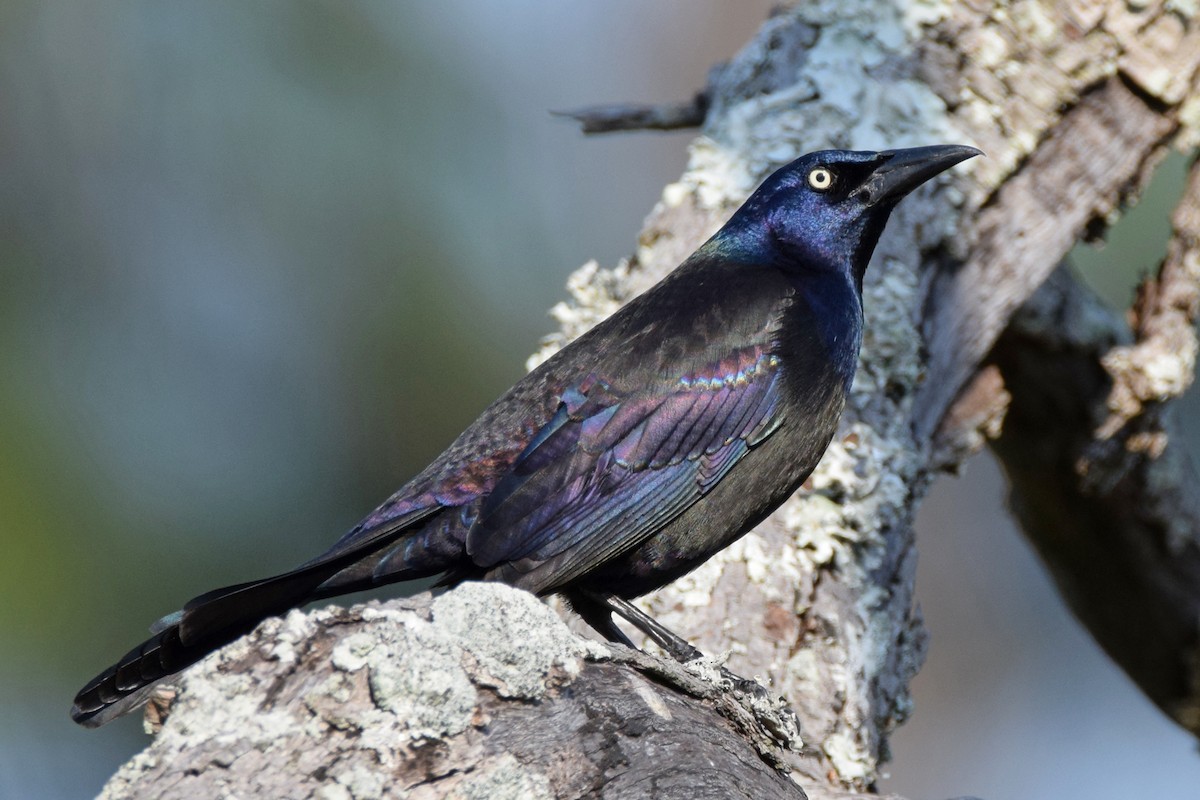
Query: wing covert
611,468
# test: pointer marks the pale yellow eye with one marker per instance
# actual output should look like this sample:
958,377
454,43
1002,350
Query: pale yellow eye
820,179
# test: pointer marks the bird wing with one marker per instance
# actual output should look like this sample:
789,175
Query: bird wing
612,467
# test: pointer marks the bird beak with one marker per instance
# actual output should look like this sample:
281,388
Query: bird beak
904,170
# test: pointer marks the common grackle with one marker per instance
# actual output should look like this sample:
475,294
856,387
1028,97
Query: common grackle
636,452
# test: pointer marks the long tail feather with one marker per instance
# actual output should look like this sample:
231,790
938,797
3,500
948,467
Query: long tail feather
207,623
216,618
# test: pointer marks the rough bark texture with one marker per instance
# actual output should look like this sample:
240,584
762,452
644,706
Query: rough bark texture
1074,103
481,693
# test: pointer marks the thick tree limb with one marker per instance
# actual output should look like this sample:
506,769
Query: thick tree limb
1074,103
481,693
1100,481
1081,120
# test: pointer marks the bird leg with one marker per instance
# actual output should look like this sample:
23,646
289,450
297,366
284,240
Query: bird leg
598,615
603,606
674,644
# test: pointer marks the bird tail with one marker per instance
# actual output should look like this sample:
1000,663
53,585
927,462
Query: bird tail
216,618
206,623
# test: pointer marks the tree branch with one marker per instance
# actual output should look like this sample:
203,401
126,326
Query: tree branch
1100,483
482,692
630,117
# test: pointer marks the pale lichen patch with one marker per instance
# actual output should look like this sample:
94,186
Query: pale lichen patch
518,645
502,778
432,695
361,783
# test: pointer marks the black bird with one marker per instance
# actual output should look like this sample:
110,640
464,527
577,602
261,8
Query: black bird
636,452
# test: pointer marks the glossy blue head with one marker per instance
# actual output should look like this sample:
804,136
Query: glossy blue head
826,210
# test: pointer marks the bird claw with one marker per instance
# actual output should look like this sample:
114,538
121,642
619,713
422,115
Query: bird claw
747,687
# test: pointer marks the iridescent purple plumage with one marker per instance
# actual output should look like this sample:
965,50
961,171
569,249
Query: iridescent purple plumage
636,452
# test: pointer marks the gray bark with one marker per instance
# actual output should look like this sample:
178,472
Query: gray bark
1074,104
481,693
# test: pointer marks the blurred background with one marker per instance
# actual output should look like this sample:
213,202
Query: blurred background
258,266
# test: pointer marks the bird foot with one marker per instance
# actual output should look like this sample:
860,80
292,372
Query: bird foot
747,687
774,717
672,643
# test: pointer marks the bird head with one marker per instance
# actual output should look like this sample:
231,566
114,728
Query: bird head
825,210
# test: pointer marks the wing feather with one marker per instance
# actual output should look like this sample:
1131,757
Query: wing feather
617,467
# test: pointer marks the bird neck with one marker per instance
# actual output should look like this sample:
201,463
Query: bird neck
826,309
835,258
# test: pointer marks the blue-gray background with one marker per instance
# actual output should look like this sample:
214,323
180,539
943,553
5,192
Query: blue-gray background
258,265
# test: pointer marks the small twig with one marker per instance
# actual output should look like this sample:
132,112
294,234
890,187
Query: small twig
625,117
